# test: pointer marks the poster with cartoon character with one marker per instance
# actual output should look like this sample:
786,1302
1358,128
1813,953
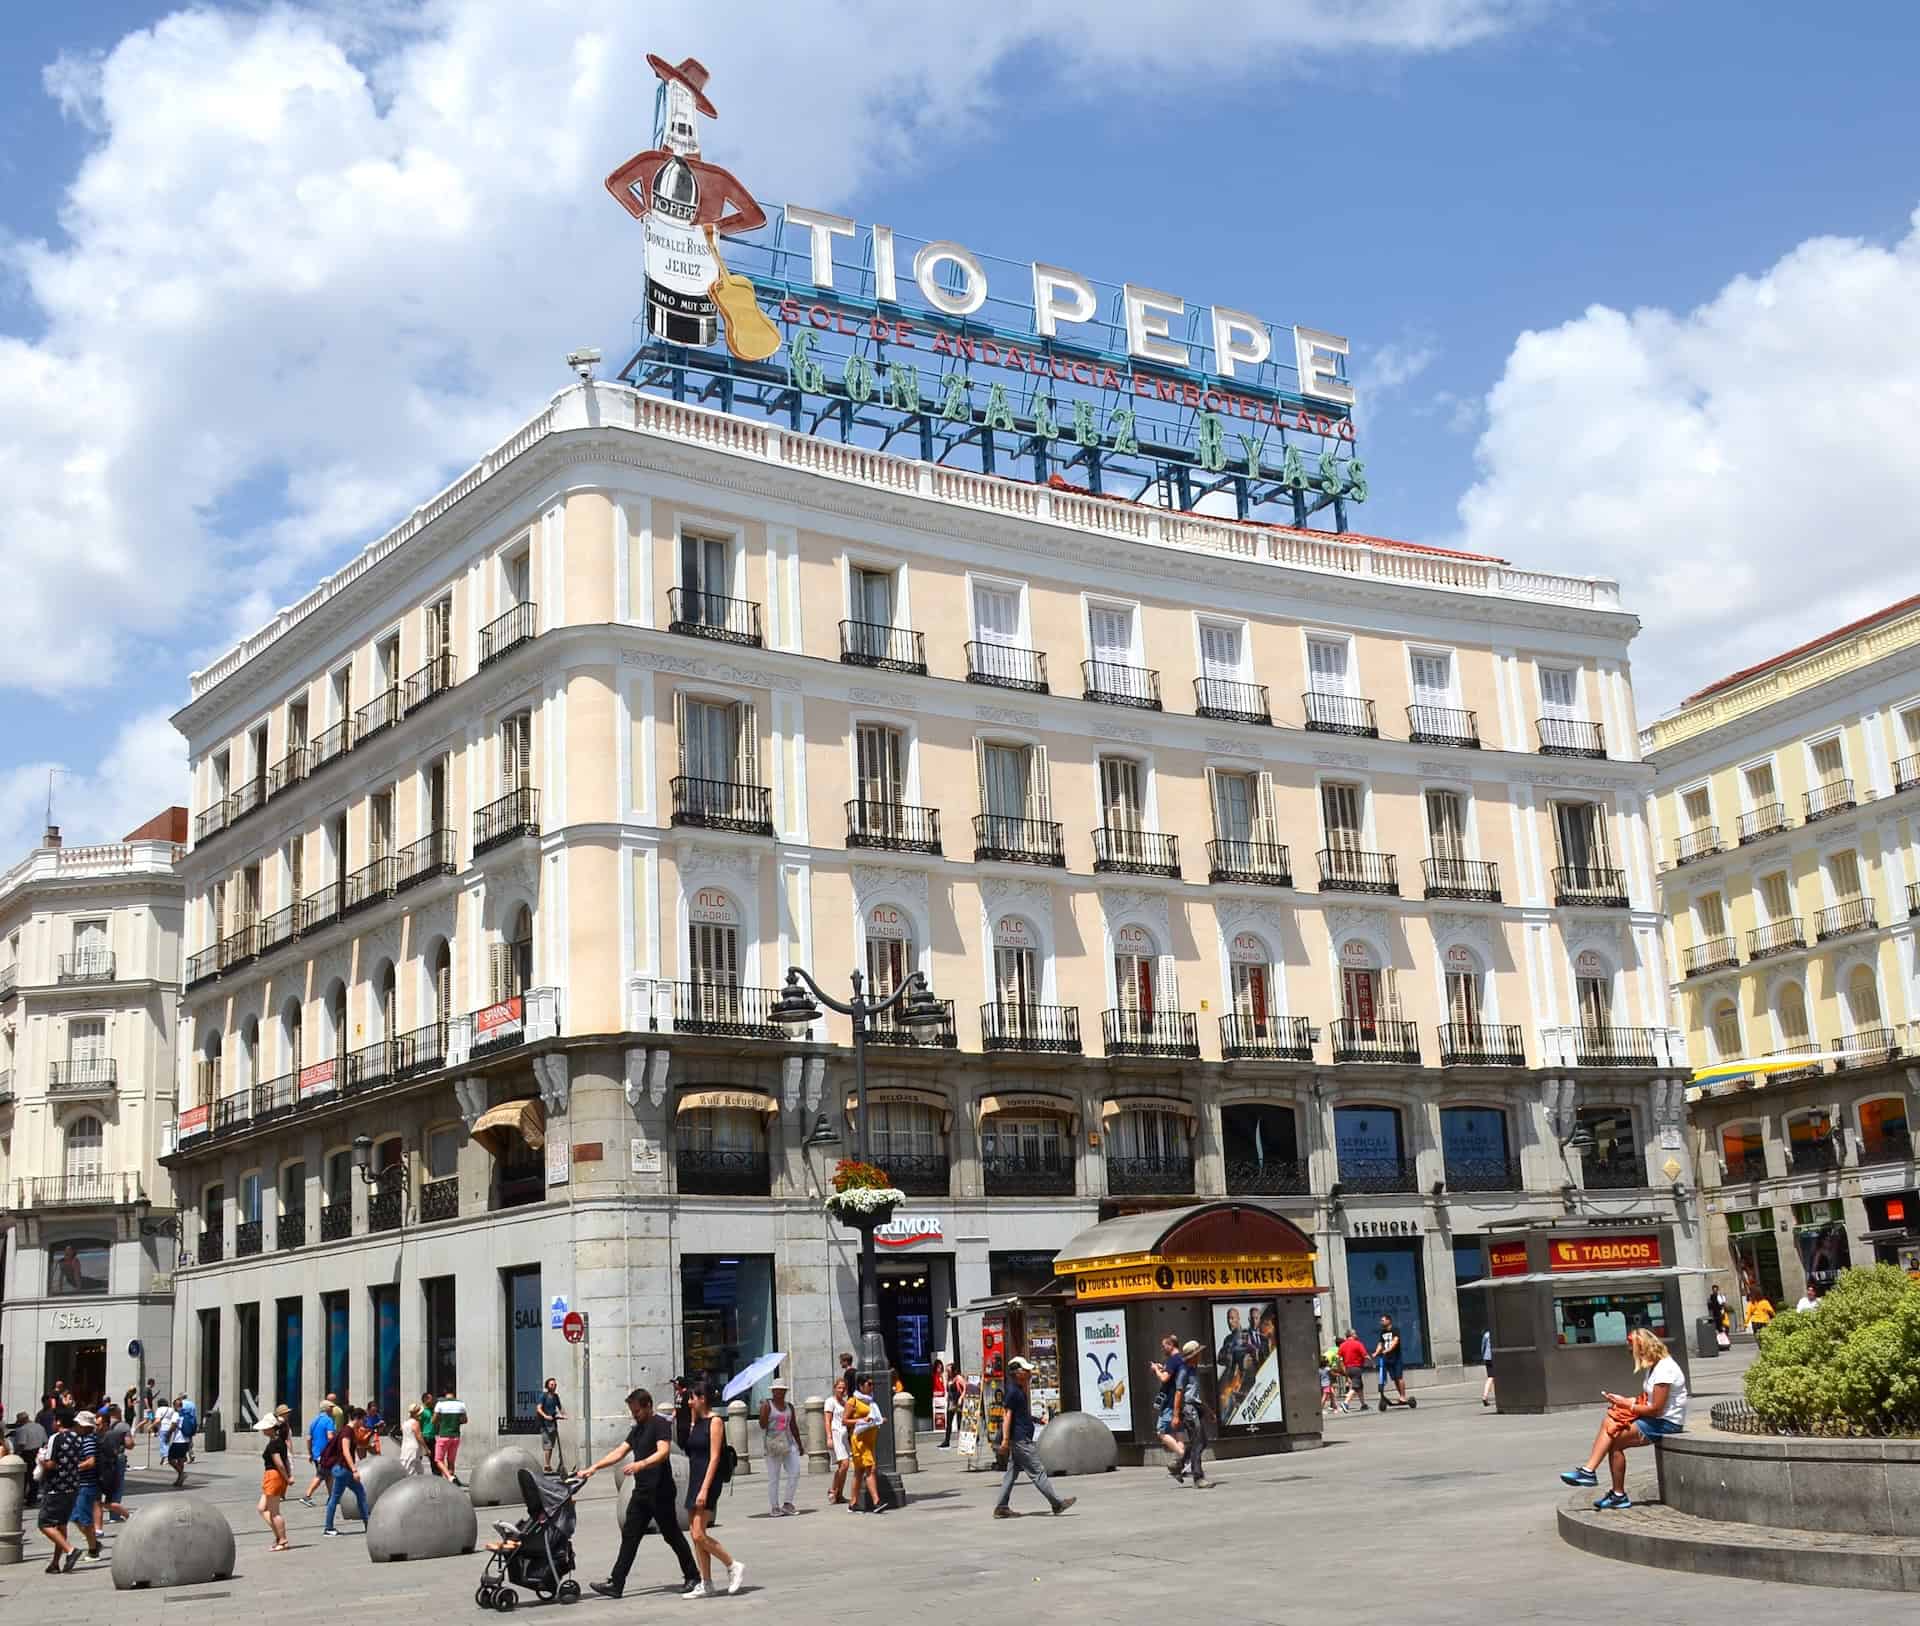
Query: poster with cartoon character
1101,1338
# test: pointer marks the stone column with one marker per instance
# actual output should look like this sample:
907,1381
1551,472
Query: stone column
906,1452
813,1434
737,1435
13,1499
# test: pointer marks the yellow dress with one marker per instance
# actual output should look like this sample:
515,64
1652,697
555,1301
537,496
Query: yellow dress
860,1444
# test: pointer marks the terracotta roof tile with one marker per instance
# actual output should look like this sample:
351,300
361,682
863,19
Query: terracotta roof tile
1865,621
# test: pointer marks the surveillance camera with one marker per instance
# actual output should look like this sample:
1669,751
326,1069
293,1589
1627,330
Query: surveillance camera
584,361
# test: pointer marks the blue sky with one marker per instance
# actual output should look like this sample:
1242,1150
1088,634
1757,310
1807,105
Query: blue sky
268,276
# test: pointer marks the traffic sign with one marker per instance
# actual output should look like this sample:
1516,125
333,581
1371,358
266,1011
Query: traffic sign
133,1350
574,1328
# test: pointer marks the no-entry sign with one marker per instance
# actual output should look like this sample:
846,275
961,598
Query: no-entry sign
574,1328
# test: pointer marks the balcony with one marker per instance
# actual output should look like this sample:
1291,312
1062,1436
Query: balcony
374,884
386,1210
233,1112
440,1199
1768,819
1564,737
506,1024
1347,869
1038,1029
287,772
893,827
211,822
1149,1176
423,1050
1269,1177
1484,1174
520,625
72,1080
1377,1176
1824,801
369,1067
249,798
1818,1155
1121,850
918,1174
1481,1044
890,1030
1703,841
89,965
1776,937
1621,1047
213,1242
1891,1146
514,816
1749,1166
247,1239
270,931
1906,774
426,858
291,1232
1002,666
1376,1041
1127,1032
381,712
276,1098
1589,886
723,1171
321,908
1814,1057
1340,714
1003,839
1870,1047
1228,700
1013,1174
1844,919
432,680
1245,1037
329,745
887,649
722,804
694,614
1716,954
1470,879
1249,863
726,1010
336,1221
77,1191
1112,684
1443,725
240,947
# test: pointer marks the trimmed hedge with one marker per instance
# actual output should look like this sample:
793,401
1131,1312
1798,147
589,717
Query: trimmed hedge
1850,1368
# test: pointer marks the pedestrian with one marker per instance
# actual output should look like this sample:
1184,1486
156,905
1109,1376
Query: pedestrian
780,1450
60,1460
415,1453
320,1434
188,1428
552,1414
837,1440
956,1402
846,1369
706,1455
1353,1361
449,1417
342,1464
27,1437
863,1427
1717,1308
276,1476
1759,1313
1486,1360
110,1444
1327,1358
426,1433
1809,1298
86,1501
651,1506
1016,1444
1163,1403
1190,1414
365,1436
174,1445
1660,1410
1391,1355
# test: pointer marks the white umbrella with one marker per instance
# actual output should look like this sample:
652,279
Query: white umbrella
744,1380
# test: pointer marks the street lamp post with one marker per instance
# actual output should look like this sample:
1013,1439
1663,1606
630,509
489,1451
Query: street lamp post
920,1012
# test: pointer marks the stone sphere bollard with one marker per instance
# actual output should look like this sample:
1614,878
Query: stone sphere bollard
376,1475
1074,1442
418,1518
906,1440
813,1433
13,1501
181,1541
496,1482
679,1497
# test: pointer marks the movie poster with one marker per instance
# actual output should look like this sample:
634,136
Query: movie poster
1246,1359
1101,1338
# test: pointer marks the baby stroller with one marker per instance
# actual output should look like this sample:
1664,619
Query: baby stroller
536,1553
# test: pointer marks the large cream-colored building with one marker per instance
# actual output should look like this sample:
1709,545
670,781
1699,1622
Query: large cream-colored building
1788,819
1247,860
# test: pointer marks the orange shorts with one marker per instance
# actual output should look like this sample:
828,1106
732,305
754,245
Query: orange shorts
273,1483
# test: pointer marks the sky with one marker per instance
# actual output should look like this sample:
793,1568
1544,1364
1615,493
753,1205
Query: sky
1633,288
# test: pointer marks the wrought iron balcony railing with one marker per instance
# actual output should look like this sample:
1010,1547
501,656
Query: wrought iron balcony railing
1776,937
1765,820
368,1068
1149,1176
1481,1044
77,1191
1716,954
440,1199
1376,1041
1372,1176
723,1171
386,1210
270,931
893,826
423,1050
1228,700
375,883
319,909
1008,840
1003,666
1119,849
1340,714
1808,1048
86,965
250,797
1565,737
513,816
1247,1037
885,648
1443,725
500,637
1889,1146
1870,1047
336,1221
422,860
1589,886
918,1174
713,615
1848,916
722,804
1012,1174
287,772
381,712
212,821
1113,684
1347,869
1835,796
1042,1029
247,1239
1472,879
1128,1032
1817,1155
1484,1174
1621,1047
726,1009
1906,774
276,1097
9,981
213,1242
329,745
1702,841
291,1232
890,1030
433,679
1249,863
1268,1176
93,1076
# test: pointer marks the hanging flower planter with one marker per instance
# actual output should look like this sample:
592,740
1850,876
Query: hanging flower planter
862,1197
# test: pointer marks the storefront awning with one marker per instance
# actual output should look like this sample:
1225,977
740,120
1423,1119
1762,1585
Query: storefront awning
886,1095
1114,1105
526,1119
726,1101
1029,1103
1588,1278
1888,1235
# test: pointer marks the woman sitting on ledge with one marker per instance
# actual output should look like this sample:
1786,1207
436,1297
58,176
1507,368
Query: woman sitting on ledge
1661,1409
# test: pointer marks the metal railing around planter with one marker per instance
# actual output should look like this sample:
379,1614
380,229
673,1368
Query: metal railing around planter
1715,954
1776,937
722,804
1765,820
1266,1038
1443,725
713,615
1120,849
1892,1146
1484,1174
1002,666
1347,869
725,1009
1044,1029
1269,1177
1228,700
1737,1417
1379,1041
440,1199
329,745
1112,684
1340,714
1564,737
89,965
513,816
1844,918
518,626
1011,1175
722,1172
890,1030
422,860
1370,1176
1018,841
1249,863
291,1232
373,884
893,826
887,649
1589,886
1823,801
919,1174
247,1240
1474,879
1481,1044
1880,1046
382,711
287,772
435,678
1128,1032
1150,1176
336,1221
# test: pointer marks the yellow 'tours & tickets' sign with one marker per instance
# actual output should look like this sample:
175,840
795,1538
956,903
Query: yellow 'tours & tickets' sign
1281,1273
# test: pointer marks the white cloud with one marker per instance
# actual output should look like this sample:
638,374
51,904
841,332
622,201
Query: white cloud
1744,469
143,773
340,249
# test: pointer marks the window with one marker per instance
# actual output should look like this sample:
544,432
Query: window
442,985
1340,806
439,637
337,844
1110,632
525,1313
1607,1318
342,687
336,1369
516,751
379,825
1843,870
249,896
1726,1030
1863,999
1036,1144
1222,650
1013,781
250,1205
1791,1012
881,754
1250,1001
512,970
1696,807
716,740
1580,835
1559,692
1432,678
293,1194
437,797
1829,761
1262,1148
257,762
715,953
996,614
1123,793
1134,971
706,567
1473,1144
1910,729
1615,1152
296,725
889,961
78,1265
1775,897
1327,665
1447,824
1016,973
1235,797
727,1314
1743,1152
296,869
439,1296
85,1143
1157,1138
87,1048
1594,997
222,774
1710,917
1367,1143
1759,783
906,1129
1463,996
873,597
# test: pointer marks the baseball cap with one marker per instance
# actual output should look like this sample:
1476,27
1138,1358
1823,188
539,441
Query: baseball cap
1019,1364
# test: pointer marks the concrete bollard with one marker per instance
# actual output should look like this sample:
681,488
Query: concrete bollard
738,1436
417,1518
906,1444
180,1541
813,1435
376,1475
496,1482
13,1503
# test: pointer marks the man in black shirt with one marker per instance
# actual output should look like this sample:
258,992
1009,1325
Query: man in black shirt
1016,1444
552,1414
650,1443
60,1485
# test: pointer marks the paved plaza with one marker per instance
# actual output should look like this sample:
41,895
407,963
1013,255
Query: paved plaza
1438,1515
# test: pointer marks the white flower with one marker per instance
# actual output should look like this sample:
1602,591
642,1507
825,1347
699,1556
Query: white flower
866,1199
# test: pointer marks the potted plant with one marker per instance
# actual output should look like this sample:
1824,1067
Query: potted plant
862,1196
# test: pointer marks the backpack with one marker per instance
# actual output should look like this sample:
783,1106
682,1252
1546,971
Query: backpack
729,1460
189,1420
332,1457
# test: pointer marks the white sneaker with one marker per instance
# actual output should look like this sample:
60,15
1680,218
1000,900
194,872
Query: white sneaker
699,1589
736,1573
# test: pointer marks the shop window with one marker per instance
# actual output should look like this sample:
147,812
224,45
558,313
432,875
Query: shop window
1386,1278
336,1371
1743,1151
1370,1151
208,1376
1607,1318
246,1331
1470,1303
1756,1256
722,1152
1820,1238
1015,1270
1614,1158
78,1266
383,1304
438,1300
1262,1151
1473,1141
520,1298
727,1313
289,1352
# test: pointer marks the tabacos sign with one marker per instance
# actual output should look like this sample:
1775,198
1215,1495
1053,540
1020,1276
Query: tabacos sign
1640,1251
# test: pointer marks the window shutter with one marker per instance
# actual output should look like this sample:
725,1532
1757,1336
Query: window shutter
680,729
1267,822
499,970
1326,666
980,774
747,745
1219,651
1166,984
1389,996
1039,792
1213,803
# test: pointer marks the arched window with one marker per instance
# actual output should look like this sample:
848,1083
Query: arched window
1810,1143
85,1150
292,1018
1263,1151
889,948
713,955
1466,990
1149,1151
336,1020
1863,1000
1016,963
1135,969
1790,1011
1726,1030
1884,1135
442,965
1743,1150
1249,965
1367,993
250,1053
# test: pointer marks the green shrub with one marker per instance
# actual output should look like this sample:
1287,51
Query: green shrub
1850,1367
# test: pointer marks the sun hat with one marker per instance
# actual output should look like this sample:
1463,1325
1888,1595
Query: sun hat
1191,1347
1019,1364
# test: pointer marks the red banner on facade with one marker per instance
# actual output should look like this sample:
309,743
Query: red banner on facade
1507,1259
497,1021
193,1120
1638,1252
317,1079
